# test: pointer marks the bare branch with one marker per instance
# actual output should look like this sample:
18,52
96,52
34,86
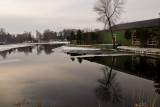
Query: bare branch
109,12
110,9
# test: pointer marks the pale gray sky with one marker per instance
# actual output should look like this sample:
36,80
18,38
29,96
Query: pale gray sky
17,16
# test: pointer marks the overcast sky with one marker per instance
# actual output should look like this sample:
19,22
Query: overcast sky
17,16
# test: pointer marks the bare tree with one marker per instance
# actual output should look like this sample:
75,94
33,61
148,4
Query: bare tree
109,11
109,88
39,36
49,35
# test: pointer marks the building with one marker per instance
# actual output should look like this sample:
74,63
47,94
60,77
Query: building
145,40
134,26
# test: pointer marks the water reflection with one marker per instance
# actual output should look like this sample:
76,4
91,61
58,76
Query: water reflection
141,66
73,59
108,89
47,49
80,60
26,50
53,79
136,66
8,52
145,67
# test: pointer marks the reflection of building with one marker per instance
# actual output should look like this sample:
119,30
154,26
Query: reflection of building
147,67
152,62
144,67
149,61
135,60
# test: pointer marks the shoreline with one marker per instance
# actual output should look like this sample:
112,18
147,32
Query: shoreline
143,51
19,45
13,46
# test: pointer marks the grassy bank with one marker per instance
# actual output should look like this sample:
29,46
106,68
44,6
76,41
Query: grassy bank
102,46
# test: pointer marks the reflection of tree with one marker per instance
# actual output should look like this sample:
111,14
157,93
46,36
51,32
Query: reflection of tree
26,50
11,50
80,60
127,65
5,53
40,49
46,48
73,59
109,88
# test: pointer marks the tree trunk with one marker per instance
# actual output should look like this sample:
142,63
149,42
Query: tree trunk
113,61
114,42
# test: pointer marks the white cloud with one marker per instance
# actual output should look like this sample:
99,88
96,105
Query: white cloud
28,15
136,10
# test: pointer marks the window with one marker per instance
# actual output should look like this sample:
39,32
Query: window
135,41
152,41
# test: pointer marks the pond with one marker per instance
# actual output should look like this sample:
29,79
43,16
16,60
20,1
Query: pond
39,77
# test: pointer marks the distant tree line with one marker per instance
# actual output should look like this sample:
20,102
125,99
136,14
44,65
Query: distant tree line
6,37
73,35
24,37
80,37
46,36
76,36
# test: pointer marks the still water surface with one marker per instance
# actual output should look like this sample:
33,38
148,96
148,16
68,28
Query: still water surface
39,77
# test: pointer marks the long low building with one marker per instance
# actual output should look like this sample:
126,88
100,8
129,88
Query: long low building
144,33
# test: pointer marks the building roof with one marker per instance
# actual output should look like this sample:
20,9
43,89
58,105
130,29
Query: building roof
138,24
